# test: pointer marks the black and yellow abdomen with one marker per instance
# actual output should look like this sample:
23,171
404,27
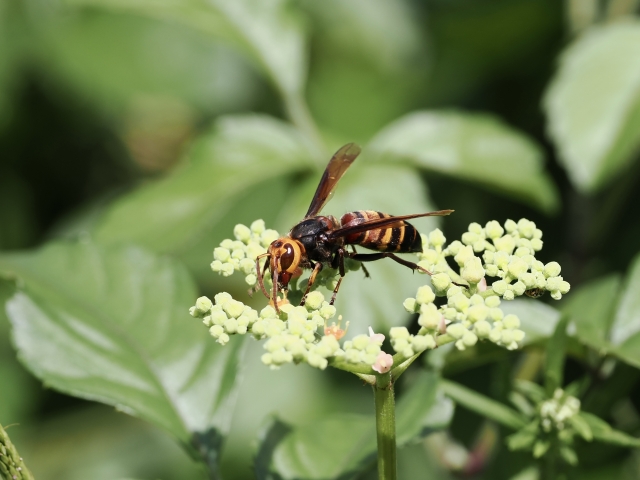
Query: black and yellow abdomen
400,237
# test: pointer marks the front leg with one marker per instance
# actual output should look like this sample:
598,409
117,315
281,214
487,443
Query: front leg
312,278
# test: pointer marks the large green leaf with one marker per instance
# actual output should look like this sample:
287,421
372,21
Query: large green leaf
349,440
475,147
239,153
111,324
592,307
625,329
126,62
483,405
265,30
593,104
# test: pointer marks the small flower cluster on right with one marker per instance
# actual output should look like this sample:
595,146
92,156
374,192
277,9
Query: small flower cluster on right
473,311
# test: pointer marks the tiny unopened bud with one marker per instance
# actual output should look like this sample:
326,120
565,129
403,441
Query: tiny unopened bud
425,295
314,300
493,229
242,233
552,269
437,238
472,270
410,305
258,226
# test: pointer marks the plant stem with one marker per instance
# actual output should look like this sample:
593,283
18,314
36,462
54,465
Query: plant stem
385,426
11,464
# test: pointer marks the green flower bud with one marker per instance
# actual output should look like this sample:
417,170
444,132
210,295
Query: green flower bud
508,295
230,325
327,311
500,287
203,305
247,266
518,288
441,282
506,337
251,279
456,330
221,254
281,357
437,238
518,335
564,287
227,243
314,300
526,228
396,333
472,271
493,229
216,266
556,295
226,269
430,257
511,321
460,302
268,236
258,226
492,301
517,267
477,313
242,233
505,244
479,246
536,244
521,251
410,305
491,270
218,317
553,283
425,295
552,269
317,361
496,314
233,308
482,328
469,238
360,342
464,254
222,298
238,254
268,312
429,316
253,250
469,339
528,279
454,247
450,313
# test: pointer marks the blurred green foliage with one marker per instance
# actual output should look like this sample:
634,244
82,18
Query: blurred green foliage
135,135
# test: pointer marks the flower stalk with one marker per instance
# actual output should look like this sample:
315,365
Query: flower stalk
385,426
11,464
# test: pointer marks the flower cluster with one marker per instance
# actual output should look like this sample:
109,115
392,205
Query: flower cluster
470,312
508,253
465,318
556,419
292,336
240,254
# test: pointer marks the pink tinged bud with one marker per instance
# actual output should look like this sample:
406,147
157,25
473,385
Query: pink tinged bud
375,337
383,363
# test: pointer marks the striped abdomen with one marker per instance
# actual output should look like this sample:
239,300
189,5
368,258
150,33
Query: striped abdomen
399,237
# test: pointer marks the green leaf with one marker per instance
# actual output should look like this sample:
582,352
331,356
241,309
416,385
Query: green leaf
593,104
476,147
422,409
554,368
581,426
603,432
349,440
239,153
626,323
266,31
129,63
592,307
524,438
482,405
111,325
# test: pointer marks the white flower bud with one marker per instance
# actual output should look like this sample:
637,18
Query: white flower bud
242,233
425,295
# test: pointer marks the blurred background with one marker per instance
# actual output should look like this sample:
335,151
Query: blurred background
100,102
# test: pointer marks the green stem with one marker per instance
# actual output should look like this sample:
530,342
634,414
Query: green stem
11,464
385,426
